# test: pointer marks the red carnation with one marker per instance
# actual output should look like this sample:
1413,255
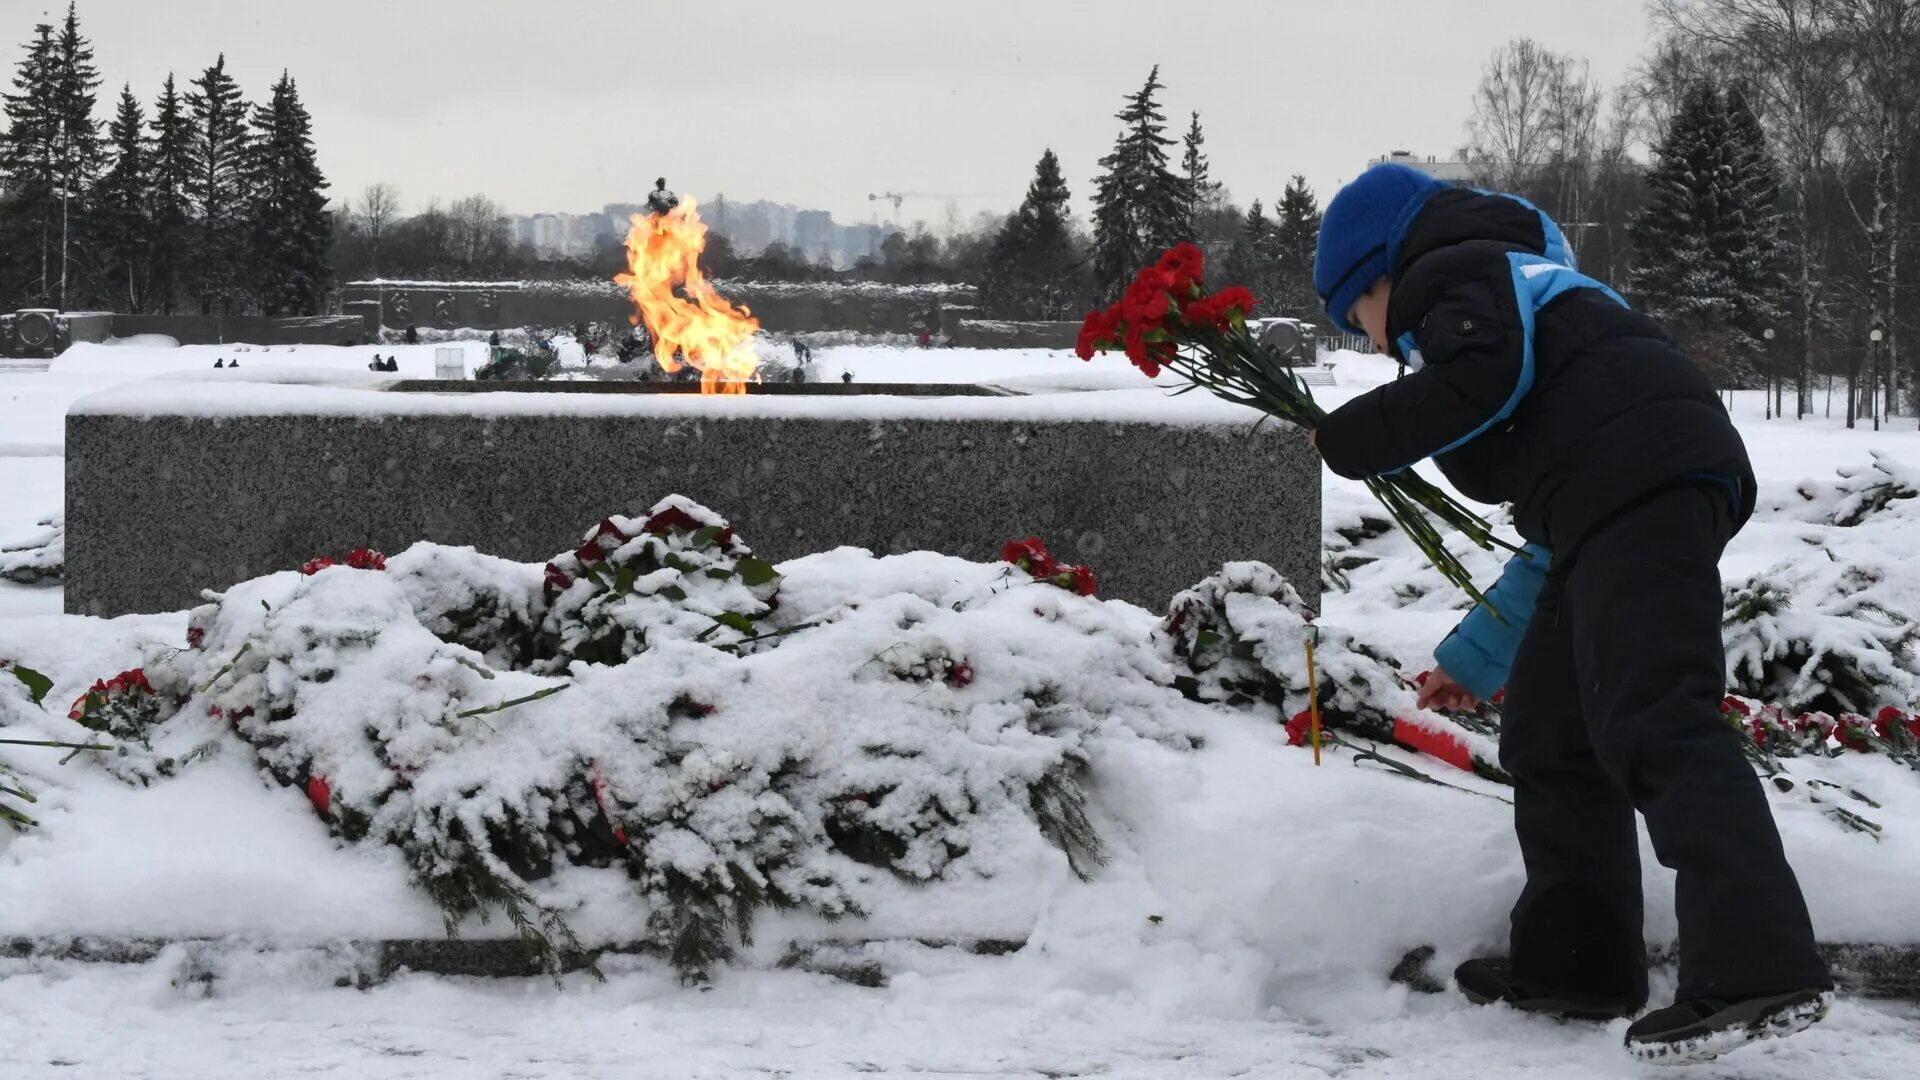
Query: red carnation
1218,311
366,559
1852,732
314,566
1499,696
557,579
1030,555
320,794
1731,706
1184,264
600,800
960,674
589,553
670,519
1892,721
1300,728
1083,583
1100,331
195,636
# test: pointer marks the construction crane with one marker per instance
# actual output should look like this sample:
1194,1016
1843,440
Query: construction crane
898,197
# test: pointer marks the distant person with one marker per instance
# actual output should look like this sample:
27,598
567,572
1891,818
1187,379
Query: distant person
926,340
846,377
413,335
493,340
802,352
236,362
220,363
661,201
375,364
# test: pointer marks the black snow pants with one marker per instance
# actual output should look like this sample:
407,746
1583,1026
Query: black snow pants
1613,706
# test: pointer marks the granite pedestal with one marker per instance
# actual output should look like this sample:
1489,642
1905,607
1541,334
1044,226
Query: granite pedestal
173,488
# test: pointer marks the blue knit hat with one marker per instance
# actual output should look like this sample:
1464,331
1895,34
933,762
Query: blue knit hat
1357,229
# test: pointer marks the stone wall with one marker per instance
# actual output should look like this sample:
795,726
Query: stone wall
781,308
248,329
226,498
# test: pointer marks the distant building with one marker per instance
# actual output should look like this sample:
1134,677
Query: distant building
1456,171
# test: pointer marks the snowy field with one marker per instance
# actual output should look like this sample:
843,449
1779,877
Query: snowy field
1244,927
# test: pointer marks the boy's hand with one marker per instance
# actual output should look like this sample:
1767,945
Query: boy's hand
1441,692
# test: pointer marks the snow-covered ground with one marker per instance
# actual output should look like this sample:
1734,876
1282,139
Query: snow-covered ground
1245,926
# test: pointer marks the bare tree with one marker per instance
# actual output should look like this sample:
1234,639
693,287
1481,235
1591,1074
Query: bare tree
1510,133
1882,37
1535,130
477,234
379,205
1786,55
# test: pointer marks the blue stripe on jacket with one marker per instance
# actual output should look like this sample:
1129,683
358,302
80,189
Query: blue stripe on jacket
1479,653
1537,282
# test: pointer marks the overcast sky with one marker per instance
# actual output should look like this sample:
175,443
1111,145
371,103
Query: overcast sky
564,105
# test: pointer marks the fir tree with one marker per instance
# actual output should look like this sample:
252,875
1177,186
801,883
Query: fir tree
1758,253
1246,262
217,188
124,225
28,173
1203,195
1140,206
1686,232
1296,235
171,178
77,154
1031,264
291,228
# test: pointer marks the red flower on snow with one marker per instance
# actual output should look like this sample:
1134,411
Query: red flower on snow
366,559
1030,555
358,559
1892,721
320,794
667,520
1083,582
1852,732
1300,728
102,691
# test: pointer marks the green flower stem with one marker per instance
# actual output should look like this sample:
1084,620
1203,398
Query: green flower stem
222,673
505,705
1235,368
17,793
53,745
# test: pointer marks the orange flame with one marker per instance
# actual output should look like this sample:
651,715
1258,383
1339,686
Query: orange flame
695,323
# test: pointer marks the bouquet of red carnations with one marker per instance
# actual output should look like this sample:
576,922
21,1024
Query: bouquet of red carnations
1167,320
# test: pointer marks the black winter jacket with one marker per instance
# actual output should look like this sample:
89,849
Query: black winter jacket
1534,385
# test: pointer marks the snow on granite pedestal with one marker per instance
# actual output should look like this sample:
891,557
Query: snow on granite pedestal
181,484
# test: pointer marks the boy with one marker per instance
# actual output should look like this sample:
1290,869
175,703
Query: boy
1534,385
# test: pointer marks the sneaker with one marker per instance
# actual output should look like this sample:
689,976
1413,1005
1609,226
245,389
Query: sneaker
1490,979
1702,1029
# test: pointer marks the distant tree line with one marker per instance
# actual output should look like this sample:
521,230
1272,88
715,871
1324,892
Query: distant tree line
207,204
1781,143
